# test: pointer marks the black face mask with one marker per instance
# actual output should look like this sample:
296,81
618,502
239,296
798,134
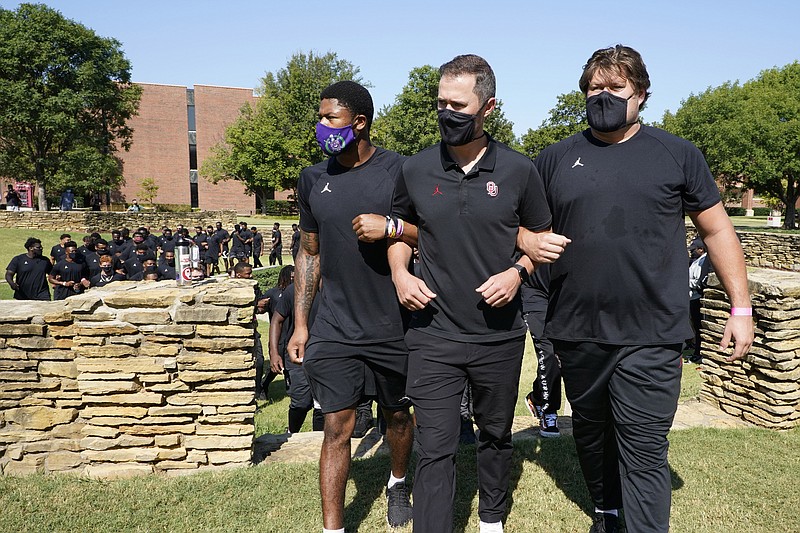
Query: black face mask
106,270
456,128
171,262
72,255
607,112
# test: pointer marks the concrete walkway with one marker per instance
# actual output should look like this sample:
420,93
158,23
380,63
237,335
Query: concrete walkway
305,447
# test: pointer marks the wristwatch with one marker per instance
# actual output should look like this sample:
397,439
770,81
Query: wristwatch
523,272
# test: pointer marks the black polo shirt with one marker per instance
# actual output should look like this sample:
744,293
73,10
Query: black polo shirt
57,252
623,278
359,303
468,228
31,276
68,271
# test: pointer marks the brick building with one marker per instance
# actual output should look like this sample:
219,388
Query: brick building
173,133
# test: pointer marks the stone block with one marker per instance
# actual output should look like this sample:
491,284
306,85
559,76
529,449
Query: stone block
232,456
176,465
118,471
166,441
218,345
32,343
115,410
197,456
52,355
200,314
19,365
130,340
230,409
172,330
217,442
105,351
58,461
237,296
40,417
88,341
175,386
231,384
174,410
66,369
154,429
18,330
231,418
107,387
138,365
13,354
44,385
159,350
137,398
190,376
211,398
29,464
145,298
225,429
98,443
99,431
68,431
204,330
105,329
199,361
107,376
18,376
61,331
148,317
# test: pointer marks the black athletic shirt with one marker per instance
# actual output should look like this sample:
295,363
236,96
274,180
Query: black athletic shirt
31,276
623,278
66,271
284,306
358,303
467,232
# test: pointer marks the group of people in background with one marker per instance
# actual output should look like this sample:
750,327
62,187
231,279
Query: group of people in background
136,256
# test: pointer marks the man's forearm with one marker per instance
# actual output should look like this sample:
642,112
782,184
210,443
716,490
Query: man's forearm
306,282
399,254
275,323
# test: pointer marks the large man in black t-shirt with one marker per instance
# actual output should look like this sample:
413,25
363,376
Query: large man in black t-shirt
618,309
468,195
30,270
276,251
358,323
68,276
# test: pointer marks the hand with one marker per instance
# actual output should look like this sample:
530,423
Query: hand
370,227
297,346
412,291
543,247
740,328
276,363
69,283
261,305
85,282
501,288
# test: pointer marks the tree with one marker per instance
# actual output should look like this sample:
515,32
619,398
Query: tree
65,98
410,123
268,145
749,133
148,190
567,118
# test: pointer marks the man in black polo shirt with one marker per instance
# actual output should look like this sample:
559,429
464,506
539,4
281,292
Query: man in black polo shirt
258,247
358,324
57,251
295,246
618,309
468,195
31,270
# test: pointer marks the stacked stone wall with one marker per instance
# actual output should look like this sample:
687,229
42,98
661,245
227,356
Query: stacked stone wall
764,388
104,222
129,379
779,251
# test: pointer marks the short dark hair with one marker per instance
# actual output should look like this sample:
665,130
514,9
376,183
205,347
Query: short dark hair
101,241
65,236
239,267
353,96
70,244
485,83
621,60
31,241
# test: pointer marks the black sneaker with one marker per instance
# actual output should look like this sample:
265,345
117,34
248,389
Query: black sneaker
604,523
536,411
364,421
398,511
548,427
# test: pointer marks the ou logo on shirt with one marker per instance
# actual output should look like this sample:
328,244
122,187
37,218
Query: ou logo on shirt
491,188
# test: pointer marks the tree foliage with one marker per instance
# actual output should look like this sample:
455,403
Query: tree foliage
410,123
749,133
65,99
567,118
270,143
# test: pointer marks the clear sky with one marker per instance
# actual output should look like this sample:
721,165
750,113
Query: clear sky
536,48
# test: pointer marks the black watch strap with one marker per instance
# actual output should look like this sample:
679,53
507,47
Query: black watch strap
523,272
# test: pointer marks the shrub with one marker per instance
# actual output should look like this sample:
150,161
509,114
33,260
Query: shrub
279,208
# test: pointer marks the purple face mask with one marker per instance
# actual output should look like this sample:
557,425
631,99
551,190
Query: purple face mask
334,140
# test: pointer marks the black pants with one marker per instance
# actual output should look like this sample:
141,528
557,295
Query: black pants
257,261
438,372
276,255
623,402
547,385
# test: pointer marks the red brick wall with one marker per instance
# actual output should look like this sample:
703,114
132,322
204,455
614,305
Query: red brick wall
160,147
215,108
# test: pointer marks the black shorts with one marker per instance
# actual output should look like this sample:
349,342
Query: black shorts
337,373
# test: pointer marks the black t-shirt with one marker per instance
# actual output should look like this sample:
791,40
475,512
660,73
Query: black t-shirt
277,238
258,243
99,280
92,261
165,271
273,294
31,276
167,245
468,229
623,278
13,200
295,240
284,306
57,252
213,246
222,234
358,303
66,271
244,236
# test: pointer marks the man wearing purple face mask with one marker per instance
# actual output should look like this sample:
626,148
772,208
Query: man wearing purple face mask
359,323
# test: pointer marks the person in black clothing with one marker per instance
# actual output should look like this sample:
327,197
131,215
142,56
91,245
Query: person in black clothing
116,242
295,247
618,311
166,242
166,265
258,246
92,258
133,265
246,239
699,269
147,264
68,276
243,270
276,252
359,324
57,252
106,274
223,237
465,192
544,400
212,251
13,200
30,270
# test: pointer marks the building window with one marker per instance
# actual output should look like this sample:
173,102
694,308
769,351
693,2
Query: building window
194,195
192,157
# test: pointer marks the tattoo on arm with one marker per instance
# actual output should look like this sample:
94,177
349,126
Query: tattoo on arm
307,275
